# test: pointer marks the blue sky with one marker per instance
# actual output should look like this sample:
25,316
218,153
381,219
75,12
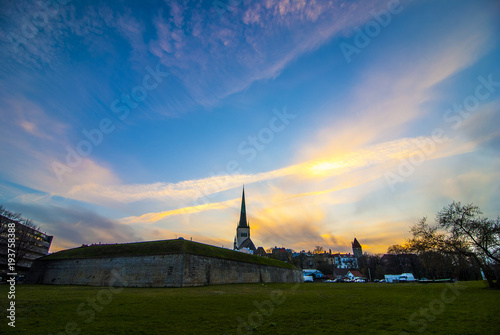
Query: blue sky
130,121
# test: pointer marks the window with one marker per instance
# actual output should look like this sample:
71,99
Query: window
243,235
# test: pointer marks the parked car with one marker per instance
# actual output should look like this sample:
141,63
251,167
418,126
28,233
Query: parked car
360,280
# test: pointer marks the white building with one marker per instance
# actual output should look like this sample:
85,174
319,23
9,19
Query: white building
345,261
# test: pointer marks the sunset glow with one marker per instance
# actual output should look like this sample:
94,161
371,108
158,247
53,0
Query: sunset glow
130,122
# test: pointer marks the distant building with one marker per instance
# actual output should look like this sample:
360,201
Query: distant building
345,261
281,254
326,262
260,252
340,273
354,274
304,260
356,249
30,245
242,239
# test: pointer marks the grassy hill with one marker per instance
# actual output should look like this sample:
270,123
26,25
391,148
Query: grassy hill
164,247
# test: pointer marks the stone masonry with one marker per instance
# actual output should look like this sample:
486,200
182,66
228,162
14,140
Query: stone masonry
171,270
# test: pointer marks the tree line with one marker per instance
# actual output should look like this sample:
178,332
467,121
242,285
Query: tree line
460,243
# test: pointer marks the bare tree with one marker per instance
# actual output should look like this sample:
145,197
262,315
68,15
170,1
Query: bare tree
7,216
397,249
461,231
25,231
318,250
11,215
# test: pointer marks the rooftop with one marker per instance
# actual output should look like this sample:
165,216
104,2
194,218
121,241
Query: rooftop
356,244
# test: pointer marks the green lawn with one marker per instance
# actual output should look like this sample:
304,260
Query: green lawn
319,308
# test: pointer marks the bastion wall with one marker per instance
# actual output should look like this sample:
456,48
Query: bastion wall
171,270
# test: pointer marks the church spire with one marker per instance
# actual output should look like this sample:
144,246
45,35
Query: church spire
243,215
243,241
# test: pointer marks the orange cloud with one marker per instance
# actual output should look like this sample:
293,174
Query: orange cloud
154,217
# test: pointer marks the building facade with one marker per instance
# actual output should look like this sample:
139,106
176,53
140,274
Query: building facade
345,261
30,244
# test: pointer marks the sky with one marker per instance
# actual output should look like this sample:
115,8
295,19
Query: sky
128,121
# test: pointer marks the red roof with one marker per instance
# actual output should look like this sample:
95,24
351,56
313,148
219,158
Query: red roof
356,273
340,272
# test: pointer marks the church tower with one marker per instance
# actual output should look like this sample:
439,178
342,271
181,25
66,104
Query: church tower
356,249
242,238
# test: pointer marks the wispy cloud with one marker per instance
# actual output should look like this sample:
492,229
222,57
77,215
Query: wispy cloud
30,118
154,217
36,34
372,156
213,62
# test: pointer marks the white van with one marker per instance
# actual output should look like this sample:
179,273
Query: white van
316,274
406,277
308,279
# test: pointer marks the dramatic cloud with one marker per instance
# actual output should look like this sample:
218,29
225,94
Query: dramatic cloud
73,225
403,127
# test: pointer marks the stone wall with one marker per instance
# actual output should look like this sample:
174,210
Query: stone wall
173,270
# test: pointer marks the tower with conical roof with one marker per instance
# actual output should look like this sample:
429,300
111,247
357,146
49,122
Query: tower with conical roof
356,249
242,238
